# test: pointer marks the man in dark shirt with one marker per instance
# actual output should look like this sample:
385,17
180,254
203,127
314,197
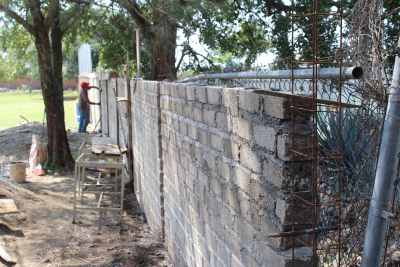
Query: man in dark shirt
83,105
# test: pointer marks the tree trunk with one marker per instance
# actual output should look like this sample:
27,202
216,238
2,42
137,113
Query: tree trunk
161,51
51,82
149,32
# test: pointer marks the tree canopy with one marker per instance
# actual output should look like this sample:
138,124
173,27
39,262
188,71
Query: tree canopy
242,29
43,24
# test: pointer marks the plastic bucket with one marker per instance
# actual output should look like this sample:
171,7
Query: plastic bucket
18,172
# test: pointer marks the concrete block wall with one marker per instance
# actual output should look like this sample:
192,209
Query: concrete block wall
94,96
112,108
146,153
227,177
104,107
122,119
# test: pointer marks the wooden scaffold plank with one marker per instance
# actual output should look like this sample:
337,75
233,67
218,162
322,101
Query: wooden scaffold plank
6,256
106,145
7,206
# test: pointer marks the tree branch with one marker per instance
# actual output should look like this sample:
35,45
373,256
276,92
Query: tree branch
18,19
238,6
206,58
165,13
37,15
73,12
81,2
73,21
51,13
394,11
137,16
106,7
278,5
180,60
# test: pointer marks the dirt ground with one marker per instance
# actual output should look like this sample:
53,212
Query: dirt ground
43,234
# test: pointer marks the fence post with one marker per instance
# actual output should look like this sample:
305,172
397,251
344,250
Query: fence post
138,55
385,176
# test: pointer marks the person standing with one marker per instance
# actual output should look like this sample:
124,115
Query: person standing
83,105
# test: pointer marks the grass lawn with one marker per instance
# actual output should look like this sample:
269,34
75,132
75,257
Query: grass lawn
31,106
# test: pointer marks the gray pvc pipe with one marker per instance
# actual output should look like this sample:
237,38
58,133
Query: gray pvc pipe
325,73
384,178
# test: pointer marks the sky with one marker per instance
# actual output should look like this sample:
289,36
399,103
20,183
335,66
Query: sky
262,59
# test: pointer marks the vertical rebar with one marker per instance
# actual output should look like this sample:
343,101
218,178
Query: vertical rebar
340,136
317,152
292,107
162,30
315,133
163,59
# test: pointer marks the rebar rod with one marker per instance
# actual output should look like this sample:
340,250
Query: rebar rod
305,232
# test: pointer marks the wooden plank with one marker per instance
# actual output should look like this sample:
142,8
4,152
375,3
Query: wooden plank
101,192
100,156
95,208
129,122
25,118
6,256
72,128
15,131
138,54
109,185
100,199
7,206
121,99
303,97
123,149
98,180
120,117
100,165
106,145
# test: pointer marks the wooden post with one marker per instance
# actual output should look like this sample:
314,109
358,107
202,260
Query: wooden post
138,55
129,119
29,81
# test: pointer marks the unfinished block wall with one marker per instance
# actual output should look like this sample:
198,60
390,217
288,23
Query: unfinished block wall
112,108
227,154
146,153
212,171
104,107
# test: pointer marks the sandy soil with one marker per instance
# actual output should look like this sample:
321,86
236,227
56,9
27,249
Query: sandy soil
42,234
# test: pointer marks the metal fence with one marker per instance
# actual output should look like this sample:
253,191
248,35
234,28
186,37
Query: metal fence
361,130
391,250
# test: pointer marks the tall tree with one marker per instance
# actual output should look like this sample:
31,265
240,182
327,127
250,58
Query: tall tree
17,55
238,27
47,24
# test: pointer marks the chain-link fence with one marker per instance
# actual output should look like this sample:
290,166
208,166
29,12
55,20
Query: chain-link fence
356,130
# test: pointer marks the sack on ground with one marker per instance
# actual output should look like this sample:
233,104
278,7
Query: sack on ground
38,154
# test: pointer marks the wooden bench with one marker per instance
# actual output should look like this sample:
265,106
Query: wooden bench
103,149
